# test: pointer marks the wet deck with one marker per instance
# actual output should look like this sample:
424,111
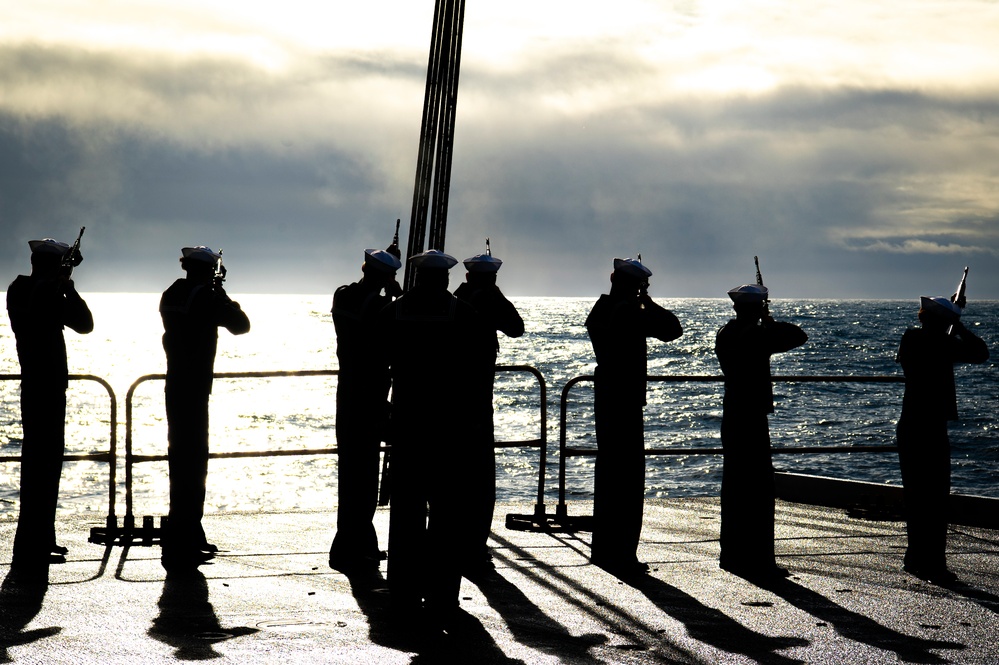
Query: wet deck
271,598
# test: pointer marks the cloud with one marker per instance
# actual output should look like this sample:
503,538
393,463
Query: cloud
579,144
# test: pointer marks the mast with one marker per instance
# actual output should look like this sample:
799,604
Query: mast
433,163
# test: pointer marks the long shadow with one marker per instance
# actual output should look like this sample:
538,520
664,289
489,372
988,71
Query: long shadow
986,599
21,600
714,627
572,592
467,642
532,627
860,628
187,621
470,642
370,591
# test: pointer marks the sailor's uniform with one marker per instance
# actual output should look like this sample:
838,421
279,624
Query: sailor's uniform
618,326
928,357
361,413
744,347
39,309
428,338
192,312
500,315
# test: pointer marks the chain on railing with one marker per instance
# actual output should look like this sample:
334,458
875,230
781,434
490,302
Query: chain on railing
565,451
109,456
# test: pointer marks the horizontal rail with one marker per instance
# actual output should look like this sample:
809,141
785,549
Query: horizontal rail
566,451
131,458
109,456
782,450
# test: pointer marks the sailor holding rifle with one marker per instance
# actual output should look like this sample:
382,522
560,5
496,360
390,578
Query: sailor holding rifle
40,305
428,337
928,355
744,346
193,309
362,409
618,325
481,292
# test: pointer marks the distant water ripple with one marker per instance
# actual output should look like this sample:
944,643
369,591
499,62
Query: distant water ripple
292,332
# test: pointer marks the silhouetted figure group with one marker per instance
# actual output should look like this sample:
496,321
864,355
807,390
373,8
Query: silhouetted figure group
436,352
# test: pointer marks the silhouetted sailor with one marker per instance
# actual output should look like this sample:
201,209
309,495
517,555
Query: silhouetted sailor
40,305
481,292
362,409
193,309
429,338
928,355
618,325
744,346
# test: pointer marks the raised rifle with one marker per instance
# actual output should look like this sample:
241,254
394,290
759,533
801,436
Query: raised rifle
72,258
759,282
393,249
959,298
220,271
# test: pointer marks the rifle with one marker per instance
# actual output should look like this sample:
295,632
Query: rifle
643,289
759,282
220,271
959,298
393,249
72,258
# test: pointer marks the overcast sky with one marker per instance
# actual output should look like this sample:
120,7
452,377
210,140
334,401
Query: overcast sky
853,145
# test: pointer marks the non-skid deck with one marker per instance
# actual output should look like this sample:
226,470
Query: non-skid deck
270,597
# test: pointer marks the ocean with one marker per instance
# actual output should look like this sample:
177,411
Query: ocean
295,332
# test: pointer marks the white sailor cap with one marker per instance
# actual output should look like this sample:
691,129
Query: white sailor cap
434,259
632,267
48,246
200,253
748,293
483,263
941,307
381,260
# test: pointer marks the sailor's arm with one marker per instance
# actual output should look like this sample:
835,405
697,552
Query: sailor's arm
784,336
76,314
972,348
228,313
508,319
659,322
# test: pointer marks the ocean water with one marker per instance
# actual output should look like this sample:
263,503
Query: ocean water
295,332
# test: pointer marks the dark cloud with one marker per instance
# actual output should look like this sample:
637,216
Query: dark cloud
842,192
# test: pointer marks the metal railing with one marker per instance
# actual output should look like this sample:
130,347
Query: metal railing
541,442
110,456
131,458
566,451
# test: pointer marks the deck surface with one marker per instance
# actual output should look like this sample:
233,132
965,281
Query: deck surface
270,597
